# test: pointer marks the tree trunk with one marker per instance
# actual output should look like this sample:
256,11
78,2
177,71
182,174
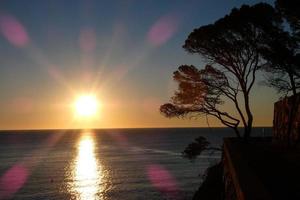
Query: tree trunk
237,132
292,83
248,128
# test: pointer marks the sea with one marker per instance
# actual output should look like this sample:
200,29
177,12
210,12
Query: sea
105,164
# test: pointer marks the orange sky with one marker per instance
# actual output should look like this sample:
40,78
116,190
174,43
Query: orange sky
53,51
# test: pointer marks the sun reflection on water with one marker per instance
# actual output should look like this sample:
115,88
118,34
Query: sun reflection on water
87,171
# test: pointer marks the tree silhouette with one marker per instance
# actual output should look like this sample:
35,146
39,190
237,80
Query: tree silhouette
195,148
291,12
283,63
231,48
199,93
282,50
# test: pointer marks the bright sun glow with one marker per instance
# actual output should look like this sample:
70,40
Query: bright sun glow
86,106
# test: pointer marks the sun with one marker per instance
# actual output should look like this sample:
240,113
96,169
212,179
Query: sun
86,106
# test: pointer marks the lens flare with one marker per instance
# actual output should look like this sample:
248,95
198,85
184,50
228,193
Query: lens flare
13,31
162,30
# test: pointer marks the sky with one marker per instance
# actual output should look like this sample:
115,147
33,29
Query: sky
124,52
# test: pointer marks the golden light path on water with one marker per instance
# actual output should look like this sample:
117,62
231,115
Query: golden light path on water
87,171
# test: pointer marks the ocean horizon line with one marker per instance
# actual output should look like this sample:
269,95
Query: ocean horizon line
118,128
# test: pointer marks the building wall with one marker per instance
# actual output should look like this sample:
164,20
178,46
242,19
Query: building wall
284,110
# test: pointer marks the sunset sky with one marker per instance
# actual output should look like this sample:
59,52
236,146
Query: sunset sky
123,52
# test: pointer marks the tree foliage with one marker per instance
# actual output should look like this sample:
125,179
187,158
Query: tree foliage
230,47
195,148
290,10
282,50
283,63
199,93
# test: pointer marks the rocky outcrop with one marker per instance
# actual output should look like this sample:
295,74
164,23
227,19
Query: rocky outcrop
212,187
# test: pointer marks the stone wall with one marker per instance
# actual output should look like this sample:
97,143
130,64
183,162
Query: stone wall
284,110
240,180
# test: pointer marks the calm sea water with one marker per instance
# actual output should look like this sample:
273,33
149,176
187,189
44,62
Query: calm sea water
103,164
